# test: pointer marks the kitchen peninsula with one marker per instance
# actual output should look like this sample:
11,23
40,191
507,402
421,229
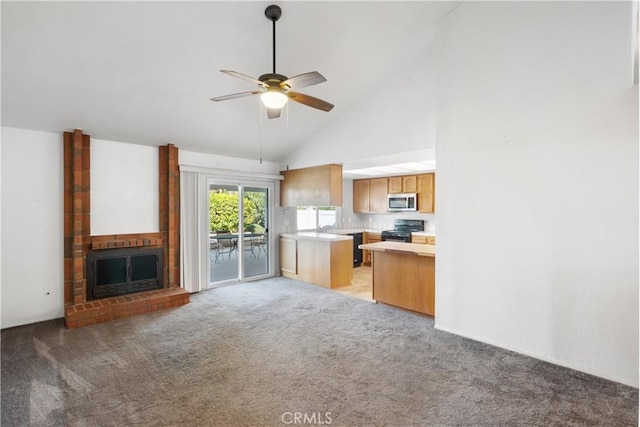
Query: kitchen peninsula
404,275
320,258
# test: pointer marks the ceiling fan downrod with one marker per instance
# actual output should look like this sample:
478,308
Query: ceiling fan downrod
273,13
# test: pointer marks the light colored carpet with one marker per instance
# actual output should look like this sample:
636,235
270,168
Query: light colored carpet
256,353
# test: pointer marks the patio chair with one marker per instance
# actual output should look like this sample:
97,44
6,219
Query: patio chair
225,245
213,250
258,243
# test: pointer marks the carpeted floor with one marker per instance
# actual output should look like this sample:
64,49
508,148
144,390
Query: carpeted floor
280,352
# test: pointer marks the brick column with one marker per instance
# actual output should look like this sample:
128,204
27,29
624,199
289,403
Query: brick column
170,212
77,219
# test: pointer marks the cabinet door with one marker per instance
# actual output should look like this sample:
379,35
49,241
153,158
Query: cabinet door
426,193
288,255
313,186
361,195
419,239
395,184
409,184
378,195
369,238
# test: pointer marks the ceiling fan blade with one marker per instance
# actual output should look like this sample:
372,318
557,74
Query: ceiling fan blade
235,95
273,113
244,77
304,80
310,101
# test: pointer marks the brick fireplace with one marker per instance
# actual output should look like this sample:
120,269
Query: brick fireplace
78,241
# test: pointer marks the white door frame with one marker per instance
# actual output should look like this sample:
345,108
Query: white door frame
209,179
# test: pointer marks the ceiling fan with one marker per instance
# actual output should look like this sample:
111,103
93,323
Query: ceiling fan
276,89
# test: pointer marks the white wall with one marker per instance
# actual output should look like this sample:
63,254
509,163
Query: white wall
231,164
397,116
537,149
32,227
124,188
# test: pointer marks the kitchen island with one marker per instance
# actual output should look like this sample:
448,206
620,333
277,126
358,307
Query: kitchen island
320,258
404,275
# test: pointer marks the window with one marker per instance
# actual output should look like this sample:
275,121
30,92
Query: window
314,217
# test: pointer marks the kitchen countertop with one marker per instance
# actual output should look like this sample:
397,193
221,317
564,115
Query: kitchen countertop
312,235
368,230
352,230
416,248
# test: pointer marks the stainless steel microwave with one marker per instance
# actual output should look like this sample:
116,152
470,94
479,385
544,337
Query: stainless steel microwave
402,202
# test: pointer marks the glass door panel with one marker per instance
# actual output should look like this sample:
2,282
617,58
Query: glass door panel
224,212
255,242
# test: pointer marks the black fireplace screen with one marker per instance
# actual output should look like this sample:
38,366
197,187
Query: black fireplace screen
112,272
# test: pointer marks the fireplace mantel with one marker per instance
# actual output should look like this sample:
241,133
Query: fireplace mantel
115,241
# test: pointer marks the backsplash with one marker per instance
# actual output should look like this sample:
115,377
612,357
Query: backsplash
384,221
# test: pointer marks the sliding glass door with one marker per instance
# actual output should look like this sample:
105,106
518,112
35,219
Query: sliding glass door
256,232
239,244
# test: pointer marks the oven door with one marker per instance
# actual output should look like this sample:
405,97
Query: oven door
395,238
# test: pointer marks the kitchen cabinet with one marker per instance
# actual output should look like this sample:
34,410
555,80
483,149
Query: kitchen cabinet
319,258
395,184
404,276
402,184
370,195
288,255
378,195
313,186
426,192
369,237
361,195
425,240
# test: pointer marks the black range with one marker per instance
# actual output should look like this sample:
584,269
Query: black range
402,230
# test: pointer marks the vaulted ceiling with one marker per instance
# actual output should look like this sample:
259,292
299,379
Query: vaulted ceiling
143,72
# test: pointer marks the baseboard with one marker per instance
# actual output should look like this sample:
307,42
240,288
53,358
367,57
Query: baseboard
579,368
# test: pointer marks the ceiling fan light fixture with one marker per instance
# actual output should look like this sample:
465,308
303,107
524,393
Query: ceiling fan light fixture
273,99
279,87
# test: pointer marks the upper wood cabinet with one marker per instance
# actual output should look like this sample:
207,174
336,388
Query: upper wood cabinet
378,195
409,184
402,184
395,184
370,195
426,192
361,195
313,186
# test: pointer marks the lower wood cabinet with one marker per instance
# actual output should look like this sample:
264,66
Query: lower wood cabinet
323,262
289,255
426,240
405,280
369,237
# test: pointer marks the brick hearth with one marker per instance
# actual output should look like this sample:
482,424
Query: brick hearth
107,309
78,240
